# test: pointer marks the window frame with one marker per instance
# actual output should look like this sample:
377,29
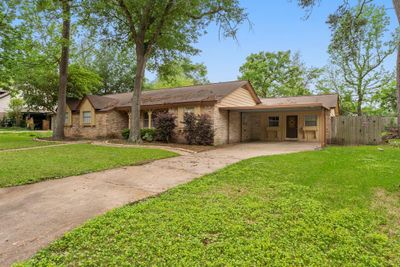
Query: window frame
307,120
83,117
271,121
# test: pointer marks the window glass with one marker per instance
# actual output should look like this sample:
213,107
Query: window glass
87,117
310,120
145,120
66,117
273,121
153,119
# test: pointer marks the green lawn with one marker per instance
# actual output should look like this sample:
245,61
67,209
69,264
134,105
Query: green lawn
22,167
10,140
336,207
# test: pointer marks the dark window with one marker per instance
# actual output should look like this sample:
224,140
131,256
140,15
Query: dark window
310,120
273,121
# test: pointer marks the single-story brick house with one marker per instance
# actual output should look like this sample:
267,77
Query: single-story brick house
237,113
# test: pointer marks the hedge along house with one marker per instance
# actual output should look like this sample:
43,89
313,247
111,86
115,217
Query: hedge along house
236,112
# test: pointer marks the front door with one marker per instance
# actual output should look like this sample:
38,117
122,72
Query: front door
291,127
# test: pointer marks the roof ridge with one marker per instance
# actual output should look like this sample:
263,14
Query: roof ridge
180,87
193,85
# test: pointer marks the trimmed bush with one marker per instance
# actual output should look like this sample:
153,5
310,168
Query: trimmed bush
165,126
204,130
125,133
198,129
148,134
189,130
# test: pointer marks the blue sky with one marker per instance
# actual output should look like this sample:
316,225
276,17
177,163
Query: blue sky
277,25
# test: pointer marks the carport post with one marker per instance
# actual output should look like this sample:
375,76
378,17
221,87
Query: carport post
323,130
229,118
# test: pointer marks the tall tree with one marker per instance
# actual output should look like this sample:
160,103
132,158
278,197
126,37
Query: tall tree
278,74
10,35
308,4
58,132
396,5
358,50
163,29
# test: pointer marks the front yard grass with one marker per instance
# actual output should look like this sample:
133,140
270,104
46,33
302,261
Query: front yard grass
336,207
12,140
22,167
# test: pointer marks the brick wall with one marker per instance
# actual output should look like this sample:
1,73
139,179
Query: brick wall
108,124
220,126
179,137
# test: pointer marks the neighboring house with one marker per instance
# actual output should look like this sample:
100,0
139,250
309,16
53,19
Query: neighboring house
5,99
39,119
237,113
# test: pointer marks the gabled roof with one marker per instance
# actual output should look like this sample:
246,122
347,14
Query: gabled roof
102,102
196,93
73,103
328,101
212,92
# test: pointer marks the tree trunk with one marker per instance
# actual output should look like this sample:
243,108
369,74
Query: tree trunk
17,119
58,132
360,97
134,135
398,89
359,106
396,5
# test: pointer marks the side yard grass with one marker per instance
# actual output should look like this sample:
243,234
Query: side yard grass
22,167
336,207
12,140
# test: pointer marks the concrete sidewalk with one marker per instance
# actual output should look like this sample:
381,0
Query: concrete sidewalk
34,215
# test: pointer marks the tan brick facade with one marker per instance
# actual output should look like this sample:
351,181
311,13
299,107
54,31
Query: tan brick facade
236,117
255,126
107,125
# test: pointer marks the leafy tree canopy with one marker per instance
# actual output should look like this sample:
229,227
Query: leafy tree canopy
39,87
357,51
115,64
179,73
278,74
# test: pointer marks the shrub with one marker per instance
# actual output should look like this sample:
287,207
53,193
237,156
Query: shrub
198,129
125,133
204,130
165,125
148,134
189,130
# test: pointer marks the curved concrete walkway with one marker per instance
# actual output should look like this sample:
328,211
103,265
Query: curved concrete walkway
34,215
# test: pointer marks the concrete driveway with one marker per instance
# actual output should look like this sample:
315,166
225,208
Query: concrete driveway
34,215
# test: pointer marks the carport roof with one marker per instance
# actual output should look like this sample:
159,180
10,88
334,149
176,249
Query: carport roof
262,107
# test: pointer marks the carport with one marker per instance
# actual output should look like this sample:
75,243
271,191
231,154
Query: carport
307,122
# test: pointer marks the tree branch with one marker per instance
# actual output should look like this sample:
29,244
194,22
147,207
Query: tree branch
149,45
125,9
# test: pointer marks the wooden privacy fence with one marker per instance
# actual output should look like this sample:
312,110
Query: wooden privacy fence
363,130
